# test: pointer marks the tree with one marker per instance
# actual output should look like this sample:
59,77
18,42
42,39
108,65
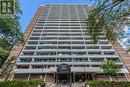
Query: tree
110,17
110,67
10,32
10,29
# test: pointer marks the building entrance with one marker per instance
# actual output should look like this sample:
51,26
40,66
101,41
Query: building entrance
64,73
64,78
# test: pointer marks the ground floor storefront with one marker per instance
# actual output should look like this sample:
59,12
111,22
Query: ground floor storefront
68,77
72,77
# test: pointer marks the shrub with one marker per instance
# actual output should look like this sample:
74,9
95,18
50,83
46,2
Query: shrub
97,83
22,83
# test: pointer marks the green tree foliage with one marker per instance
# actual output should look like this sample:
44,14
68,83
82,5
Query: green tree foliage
97,83
10,31
110,67
10,28
109,16
22,83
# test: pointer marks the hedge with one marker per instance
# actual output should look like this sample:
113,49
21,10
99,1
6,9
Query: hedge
22,83
97,83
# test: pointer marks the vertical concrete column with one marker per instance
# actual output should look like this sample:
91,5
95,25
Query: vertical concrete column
73,77
29,76
12,76
45,77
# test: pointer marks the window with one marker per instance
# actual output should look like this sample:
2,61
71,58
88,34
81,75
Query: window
95,65
93,47
34,38
25,60
38,27
80,59
109,53
27,53
94,52
30,48
64,53
96,60
106,47
37,66
32,42
64,60
23,66
79,53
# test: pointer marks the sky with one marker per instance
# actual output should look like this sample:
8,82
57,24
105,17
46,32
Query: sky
29,8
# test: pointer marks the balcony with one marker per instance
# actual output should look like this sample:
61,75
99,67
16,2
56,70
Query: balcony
94,52
73,69
44,60
25,60
72,56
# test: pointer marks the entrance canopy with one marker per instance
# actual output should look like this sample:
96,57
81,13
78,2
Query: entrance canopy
63,68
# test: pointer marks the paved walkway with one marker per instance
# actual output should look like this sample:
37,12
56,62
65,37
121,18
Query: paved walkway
65,85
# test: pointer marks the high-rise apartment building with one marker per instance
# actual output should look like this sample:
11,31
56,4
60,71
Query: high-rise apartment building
58,47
